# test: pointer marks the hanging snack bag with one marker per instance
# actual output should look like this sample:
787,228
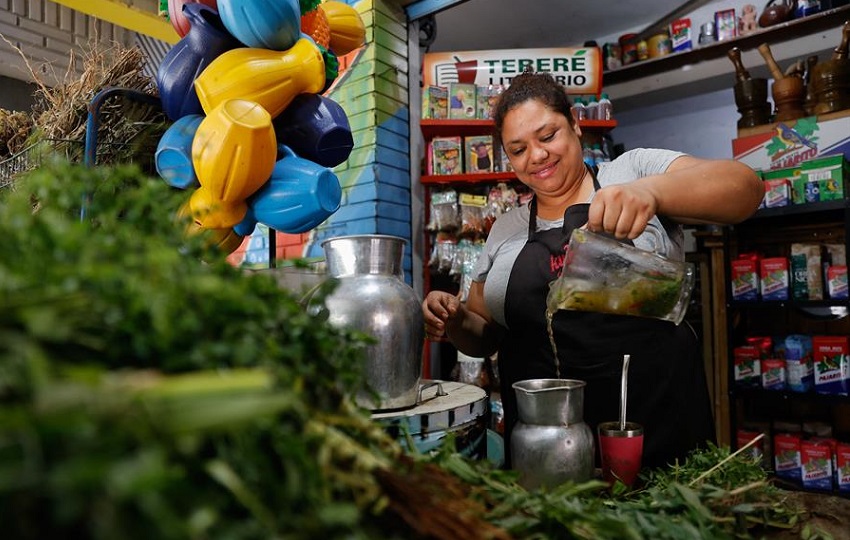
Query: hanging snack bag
473,213
444,211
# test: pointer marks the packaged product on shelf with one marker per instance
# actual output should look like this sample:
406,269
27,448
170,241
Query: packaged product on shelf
500,199
468,254
479,154
793,180
444,210
811,255
836,282
462,101
842,467
680,35
774,278
745,278
473,214
797,350
831,357
816,465
443,253
786,456
486,97
725,24
777,193
446,155
799,276
826,175
773,374
747,362
756,451
612,56
503,164
435,102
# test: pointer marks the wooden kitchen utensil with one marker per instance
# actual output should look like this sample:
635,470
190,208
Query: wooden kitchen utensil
750,94
830,80
788,91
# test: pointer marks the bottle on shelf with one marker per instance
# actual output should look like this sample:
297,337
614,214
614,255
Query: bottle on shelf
587,155
592,108
579,110
598,155
606,108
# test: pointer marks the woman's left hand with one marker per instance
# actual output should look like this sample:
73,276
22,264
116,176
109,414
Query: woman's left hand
622,210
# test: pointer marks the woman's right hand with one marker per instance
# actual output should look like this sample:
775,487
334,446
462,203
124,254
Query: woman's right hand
440,309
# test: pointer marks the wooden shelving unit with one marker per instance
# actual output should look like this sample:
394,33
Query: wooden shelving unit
708,69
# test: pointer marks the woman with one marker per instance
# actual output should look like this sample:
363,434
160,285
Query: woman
505,308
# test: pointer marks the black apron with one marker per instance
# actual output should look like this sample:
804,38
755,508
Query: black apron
668,393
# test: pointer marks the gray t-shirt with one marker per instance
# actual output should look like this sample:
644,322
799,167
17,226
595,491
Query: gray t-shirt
510,231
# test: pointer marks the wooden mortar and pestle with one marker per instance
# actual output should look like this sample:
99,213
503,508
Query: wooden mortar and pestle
750,94
789,92
830,80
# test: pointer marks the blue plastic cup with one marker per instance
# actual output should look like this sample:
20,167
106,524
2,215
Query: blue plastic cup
316,128
173,156
299,195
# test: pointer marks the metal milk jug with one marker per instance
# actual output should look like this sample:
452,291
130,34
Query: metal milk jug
551,443
372,297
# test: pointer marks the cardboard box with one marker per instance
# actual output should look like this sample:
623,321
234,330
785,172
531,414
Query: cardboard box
486,97
801,140
790,176
446,155
786,456
479,154
828,174
680,35
831,356
774,278
435,102
462,101
745,280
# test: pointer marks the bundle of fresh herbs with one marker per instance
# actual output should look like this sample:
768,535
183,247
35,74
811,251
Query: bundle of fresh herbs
149,389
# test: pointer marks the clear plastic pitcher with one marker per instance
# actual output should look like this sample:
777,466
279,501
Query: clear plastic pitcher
603,275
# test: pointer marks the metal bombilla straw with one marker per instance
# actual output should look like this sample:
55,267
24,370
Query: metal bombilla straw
623,391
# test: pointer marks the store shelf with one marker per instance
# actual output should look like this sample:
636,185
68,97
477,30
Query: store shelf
708,69
799,209
784,395
476,178
435,128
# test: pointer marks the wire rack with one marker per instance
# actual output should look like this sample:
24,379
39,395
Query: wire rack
139,147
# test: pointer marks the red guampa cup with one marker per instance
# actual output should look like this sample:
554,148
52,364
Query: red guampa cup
621,451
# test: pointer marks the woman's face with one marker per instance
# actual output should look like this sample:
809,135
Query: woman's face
544,150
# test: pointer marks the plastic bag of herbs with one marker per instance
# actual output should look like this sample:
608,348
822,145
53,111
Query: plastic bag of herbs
149,389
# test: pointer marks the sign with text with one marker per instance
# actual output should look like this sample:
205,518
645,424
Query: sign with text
789,144
579,69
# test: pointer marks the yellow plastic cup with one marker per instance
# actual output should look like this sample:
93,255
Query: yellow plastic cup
209,212
347,29
234,150
270,78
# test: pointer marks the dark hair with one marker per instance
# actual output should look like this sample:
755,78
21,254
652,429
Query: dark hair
529,85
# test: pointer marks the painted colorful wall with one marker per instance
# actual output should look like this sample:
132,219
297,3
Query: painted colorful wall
373,90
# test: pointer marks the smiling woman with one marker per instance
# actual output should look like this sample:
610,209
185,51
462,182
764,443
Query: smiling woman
641,198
